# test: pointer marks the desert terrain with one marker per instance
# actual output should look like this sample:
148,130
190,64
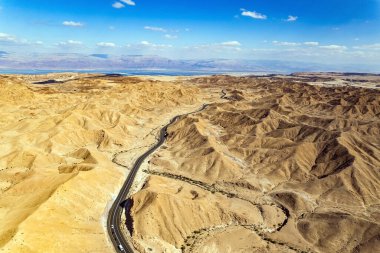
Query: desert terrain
61,138
277,165
272,164
332,79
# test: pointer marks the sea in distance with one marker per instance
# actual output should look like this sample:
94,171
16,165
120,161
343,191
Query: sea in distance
134,72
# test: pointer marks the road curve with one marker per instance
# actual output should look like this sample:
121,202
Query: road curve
115,213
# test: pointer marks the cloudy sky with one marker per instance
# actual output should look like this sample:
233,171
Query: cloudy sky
334,31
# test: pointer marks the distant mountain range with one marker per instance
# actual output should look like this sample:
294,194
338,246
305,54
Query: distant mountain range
146,62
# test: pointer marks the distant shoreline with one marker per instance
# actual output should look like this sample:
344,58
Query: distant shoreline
133,72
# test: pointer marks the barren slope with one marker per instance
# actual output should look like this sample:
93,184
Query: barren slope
57,143
277,167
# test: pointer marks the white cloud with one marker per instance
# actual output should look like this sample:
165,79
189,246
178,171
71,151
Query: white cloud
128,2
148,45
145,43
171,37
223,47
13,40
285,43
334,47
155,29
293,44
233,43
253,14
72,23
375,46
106,44
4,37
75,42
311,43
292,18
317,54
70,43
118,5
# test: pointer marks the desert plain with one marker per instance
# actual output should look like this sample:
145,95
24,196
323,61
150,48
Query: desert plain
272,164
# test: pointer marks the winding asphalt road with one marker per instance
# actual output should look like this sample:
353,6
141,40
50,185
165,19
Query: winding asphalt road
116,211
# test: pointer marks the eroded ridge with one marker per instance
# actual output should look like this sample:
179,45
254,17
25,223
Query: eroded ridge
58,136
275,166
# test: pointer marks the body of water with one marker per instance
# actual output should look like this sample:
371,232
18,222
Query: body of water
133,72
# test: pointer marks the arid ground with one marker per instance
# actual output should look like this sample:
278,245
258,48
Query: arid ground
273,164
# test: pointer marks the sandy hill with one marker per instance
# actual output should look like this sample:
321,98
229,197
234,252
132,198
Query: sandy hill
57,143
271,165
276,166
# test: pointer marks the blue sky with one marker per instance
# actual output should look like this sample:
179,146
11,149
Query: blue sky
338,31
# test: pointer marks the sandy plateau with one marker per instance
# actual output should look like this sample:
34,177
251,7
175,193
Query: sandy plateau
273,164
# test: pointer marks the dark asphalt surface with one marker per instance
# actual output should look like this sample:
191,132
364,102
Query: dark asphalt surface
115,213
